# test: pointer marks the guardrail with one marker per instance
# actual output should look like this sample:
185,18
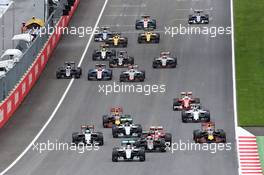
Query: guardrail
27,81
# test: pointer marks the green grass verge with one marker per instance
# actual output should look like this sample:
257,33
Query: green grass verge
249,52
260,141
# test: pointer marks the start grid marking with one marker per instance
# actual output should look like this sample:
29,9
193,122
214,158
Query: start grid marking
248,155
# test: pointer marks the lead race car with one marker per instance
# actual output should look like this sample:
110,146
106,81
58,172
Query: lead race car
184,103
208,134
104,53
196,114
198,17
116,117
122,60
69,71
145,23
148,37
132,75
165,61
103,34
88,136
126,130
117,40
100,73
128,151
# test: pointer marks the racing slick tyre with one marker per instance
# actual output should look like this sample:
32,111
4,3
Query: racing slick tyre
142,156
196,136
162,146
222,135
168,138
115,155
114,132
75,138
139,40
100,139
207,117
105,121
139,130
154,65
176,103
58,75
184,117
196,100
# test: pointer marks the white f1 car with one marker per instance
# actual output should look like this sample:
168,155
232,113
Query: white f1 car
165,61
196,114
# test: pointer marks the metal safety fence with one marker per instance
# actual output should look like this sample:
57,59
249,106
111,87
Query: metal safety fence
30,53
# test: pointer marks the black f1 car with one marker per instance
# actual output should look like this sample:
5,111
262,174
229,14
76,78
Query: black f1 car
196,114
100,73
198,17
128,151
145,23
208,134
104,53
148,37
88,136
127,130
122,60
103,34
69,71
132,75
164,61
117,41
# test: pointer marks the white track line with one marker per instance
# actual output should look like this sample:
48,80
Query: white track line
61,100
234,84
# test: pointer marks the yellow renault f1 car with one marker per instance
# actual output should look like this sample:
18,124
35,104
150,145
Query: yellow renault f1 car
148,37
117,41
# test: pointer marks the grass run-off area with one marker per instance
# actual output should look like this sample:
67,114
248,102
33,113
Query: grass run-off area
249,54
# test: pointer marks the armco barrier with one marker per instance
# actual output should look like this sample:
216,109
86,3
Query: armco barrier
12,102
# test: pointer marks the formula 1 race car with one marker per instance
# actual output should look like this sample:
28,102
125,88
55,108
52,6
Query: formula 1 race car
128,151
122,60
184,103
69,71
103,34
152,143
196,114
100,73
104,53
88,136
117,41
164,61
132,75
208,134
148,37
145,23
116,117
198,17
158,132
127,130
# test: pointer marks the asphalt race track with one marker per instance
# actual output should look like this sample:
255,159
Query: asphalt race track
205,67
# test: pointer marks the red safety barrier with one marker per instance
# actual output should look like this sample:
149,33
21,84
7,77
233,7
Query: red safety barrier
13,101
